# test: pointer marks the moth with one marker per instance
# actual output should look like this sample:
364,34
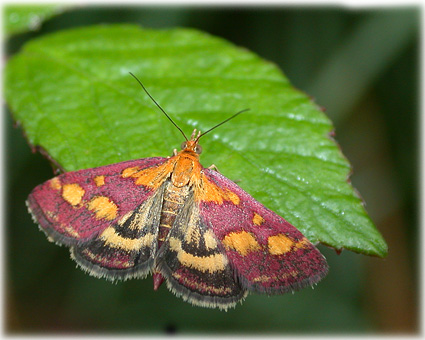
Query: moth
188,225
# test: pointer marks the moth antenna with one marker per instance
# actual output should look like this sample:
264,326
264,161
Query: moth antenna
225,121
159,106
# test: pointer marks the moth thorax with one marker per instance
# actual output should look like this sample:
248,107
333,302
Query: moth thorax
173,201
182,172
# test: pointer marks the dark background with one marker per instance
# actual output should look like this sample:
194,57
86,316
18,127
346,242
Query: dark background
362,66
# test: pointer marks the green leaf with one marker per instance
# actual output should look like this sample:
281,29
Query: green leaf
73,95
21,18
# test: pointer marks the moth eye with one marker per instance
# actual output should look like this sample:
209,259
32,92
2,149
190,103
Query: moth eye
198,149
183,146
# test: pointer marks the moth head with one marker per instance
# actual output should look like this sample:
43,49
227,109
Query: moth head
192,144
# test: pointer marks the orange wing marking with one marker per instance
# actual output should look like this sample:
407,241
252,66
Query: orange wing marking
257,219
103,207
243,242
99,180
150,177
210,192
281,244
211,263
55,183
73,193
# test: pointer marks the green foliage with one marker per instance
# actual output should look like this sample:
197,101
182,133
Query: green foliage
73,95
21,18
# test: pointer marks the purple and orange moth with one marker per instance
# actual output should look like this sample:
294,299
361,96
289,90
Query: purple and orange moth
188,225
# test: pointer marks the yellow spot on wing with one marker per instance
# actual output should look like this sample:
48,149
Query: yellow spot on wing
55,183
284,276
243,242
211,263
71,231
258,220
51,215
103,208
231,196
280,244
192,231
114,240
210,241
262,278
73,193
303,243
99,180
129,171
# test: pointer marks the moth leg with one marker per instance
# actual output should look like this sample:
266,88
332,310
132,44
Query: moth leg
214,167
175,152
